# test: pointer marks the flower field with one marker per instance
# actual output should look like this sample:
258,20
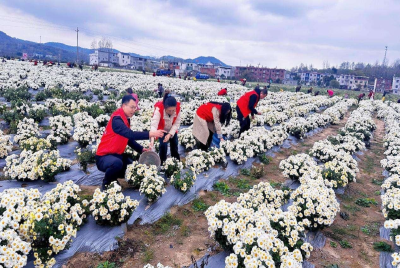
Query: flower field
296,190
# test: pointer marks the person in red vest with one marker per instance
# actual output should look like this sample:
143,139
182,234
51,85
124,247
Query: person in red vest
154,74
223,92
208,120
243,81
371,95
330,93
360,97
218,81
246,105
109,155
167,117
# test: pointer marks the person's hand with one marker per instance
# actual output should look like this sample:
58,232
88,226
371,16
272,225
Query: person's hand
146,150
259,113
157,133
167,137
221,139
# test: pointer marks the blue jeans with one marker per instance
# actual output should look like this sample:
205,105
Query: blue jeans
114,165
173,146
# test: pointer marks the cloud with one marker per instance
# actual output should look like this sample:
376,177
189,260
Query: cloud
265,32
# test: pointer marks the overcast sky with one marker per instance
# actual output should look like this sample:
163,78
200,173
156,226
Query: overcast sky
271,33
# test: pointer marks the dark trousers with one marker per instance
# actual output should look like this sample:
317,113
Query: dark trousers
243,121
159,94
114,165
204,147
173,146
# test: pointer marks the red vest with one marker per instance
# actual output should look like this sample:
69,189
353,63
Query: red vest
222,92
160,106
243,102
204,111
112,143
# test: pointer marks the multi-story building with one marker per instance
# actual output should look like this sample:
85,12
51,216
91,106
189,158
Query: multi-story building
310,77
138,63
124,59
103,58
360,82
210,71
346,81
396,85
224,72
260,74
382,84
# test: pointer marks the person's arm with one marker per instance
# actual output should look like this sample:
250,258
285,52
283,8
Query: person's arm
176,125
135,146
252,102
119,127
155,120
217,123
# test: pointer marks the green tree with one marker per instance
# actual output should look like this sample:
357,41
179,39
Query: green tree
334,84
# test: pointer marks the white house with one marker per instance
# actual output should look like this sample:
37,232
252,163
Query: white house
224,72
103,58
396,85
346,81
124,59
192,67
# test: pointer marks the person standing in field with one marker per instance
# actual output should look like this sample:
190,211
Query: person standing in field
246,106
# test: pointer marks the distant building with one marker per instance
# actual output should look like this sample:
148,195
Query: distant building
103,58
310,77
138,63
346,81
382,84
260,74
224,72
396,85
361,82
210,71
124,59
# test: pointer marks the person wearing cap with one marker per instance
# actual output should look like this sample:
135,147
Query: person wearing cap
117,135
223,92
246,105
167,117
208,120
243,81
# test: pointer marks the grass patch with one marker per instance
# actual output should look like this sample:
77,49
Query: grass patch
164,224
377,193
371,229
222,187
275,184
265,159
377,182
245,172
242,184
345,244
148,255
366,202
351,208
369,164
382,246
199,205
106,264
333,244
184,231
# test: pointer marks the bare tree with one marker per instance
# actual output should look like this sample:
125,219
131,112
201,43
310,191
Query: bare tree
94,44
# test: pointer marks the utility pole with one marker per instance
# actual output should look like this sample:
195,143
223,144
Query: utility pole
384,58
77,59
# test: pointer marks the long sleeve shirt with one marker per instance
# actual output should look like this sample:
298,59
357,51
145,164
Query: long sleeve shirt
120,128
252,102
170,127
